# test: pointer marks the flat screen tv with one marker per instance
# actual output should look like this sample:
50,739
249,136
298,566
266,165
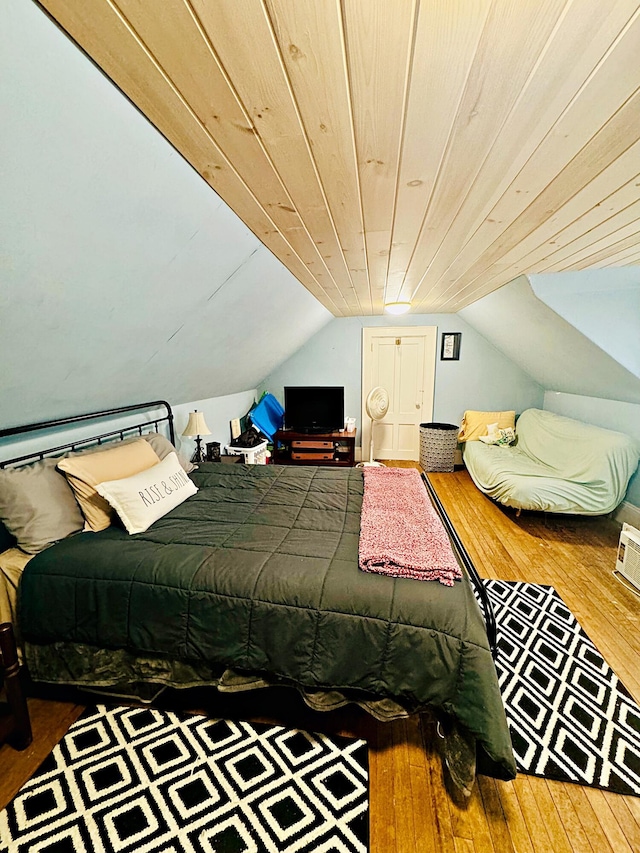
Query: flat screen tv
314,408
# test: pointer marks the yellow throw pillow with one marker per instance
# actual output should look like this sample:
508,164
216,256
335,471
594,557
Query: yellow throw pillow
85,471
475,424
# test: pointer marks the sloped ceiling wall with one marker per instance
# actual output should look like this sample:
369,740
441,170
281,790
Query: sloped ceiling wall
603,304
546,346
124,277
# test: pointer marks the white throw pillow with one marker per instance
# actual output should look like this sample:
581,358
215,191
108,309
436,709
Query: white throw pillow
145,497
501,437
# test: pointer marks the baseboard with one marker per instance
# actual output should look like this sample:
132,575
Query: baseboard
458,457
628,513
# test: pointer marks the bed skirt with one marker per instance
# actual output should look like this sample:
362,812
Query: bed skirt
121,673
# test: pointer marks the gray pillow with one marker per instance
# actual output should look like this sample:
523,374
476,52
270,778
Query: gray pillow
37,505
161,445
163,448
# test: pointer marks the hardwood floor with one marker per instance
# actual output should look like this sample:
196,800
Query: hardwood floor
412,810
576,555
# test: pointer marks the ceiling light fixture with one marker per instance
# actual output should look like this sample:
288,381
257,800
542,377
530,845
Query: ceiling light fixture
397,307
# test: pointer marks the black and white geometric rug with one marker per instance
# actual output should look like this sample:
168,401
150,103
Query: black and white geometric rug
131,779
570,717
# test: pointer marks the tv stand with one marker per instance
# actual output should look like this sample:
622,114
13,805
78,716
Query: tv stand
326,448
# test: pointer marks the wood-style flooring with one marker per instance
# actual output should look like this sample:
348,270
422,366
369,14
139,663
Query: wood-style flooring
412,810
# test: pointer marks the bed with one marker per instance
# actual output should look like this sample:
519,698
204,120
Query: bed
254,580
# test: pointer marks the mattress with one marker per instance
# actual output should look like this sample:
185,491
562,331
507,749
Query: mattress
259,572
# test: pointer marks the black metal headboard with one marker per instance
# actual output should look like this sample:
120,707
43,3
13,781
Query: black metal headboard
140,428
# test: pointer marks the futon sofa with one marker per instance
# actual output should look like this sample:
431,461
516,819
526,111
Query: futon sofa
556,464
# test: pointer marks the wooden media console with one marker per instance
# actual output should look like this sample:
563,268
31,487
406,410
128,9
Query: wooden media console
327,448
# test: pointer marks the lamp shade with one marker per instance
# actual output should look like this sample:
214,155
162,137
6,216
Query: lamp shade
196,425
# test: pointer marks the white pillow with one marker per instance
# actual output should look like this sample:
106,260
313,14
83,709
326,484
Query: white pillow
145,497
499,436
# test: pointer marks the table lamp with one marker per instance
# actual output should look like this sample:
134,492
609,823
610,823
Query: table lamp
196,426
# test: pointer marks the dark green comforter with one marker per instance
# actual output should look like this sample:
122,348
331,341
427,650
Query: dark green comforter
259,571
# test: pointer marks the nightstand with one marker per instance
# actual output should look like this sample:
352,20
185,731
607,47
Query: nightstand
15,727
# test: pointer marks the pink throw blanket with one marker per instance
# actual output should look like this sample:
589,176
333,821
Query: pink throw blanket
400,532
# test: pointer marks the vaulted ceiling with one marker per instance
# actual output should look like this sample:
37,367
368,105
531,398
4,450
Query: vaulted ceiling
383,150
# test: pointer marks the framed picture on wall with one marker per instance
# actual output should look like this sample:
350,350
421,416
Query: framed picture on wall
450,349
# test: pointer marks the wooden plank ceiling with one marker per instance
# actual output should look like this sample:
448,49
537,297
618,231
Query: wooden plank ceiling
422,150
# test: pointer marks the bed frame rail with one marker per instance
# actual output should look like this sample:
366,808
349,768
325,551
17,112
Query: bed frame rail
476,580
140,428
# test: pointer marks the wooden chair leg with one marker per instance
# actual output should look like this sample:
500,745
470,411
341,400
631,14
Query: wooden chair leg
20,734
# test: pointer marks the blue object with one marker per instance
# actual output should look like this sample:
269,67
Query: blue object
267,416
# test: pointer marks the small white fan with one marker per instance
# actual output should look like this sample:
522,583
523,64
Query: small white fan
377,406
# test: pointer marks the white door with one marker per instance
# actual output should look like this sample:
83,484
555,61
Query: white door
403,361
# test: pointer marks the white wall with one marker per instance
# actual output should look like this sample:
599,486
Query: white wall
603,304
483,378
218,412
124,276
549,348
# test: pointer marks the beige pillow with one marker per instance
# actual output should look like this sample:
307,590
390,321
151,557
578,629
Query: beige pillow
144,498
475,424
37,506
86,470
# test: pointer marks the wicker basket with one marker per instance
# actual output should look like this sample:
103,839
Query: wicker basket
438,444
